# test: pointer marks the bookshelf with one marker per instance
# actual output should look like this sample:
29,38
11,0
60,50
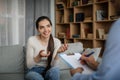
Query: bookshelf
86,21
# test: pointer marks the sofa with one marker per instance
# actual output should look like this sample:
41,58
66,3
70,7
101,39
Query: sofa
12,62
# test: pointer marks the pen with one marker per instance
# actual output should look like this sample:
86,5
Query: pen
87,55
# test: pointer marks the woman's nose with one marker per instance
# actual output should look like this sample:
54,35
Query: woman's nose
45,29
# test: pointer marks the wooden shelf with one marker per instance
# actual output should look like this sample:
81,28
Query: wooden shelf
101,2
93,29
105,21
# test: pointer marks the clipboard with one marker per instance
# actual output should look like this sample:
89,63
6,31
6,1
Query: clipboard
73,62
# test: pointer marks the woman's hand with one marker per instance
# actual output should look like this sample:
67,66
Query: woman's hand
77,70
63,48
90,61
41,54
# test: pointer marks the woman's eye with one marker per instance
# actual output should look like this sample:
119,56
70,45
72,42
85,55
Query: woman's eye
41,27
48,26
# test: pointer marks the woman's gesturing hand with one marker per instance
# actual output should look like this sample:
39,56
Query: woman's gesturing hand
63,48
43,54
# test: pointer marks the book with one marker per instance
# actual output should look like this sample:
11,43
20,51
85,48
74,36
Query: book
83,33
68,3
101,33
80,17
62,19
84,1
101,15
68,32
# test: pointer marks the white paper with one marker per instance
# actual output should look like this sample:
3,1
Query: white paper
95,50
74,62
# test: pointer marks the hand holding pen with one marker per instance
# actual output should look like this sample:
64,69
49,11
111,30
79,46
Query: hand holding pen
86,55
89,60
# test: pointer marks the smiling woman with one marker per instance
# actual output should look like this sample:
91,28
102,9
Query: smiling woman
42,51
12,22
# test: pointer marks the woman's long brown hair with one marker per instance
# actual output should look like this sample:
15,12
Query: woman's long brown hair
50,43
51,49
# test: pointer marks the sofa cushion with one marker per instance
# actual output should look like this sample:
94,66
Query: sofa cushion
65,74
11,59
74,47
10,76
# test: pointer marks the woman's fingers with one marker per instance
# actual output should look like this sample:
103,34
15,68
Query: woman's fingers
43,54
48,54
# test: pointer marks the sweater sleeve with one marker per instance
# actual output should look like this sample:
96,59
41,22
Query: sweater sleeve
30,54
79,76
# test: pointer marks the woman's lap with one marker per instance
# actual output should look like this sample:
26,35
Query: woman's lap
35,74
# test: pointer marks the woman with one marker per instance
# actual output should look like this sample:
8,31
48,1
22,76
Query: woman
41,52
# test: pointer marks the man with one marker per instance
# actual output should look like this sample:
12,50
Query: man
109,68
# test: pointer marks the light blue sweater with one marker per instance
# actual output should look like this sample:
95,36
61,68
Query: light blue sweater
109,69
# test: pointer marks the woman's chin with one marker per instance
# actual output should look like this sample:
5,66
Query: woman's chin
46,36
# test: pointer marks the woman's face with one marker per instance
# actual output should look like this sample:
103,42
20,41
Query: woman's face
44,28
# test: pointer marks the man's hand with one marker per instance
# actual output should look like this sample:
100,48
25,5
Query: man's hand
90,61
77,70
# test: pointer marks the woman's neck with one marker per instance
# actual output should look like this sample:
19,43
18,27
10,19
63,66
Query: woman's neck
44,41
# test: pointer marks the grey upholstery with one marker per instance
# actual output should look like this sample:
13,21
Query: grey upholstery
11,76
74,47
11,63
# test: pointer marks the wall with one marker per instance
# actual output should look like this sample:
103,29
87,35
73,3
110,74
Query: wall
52,16
34,9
